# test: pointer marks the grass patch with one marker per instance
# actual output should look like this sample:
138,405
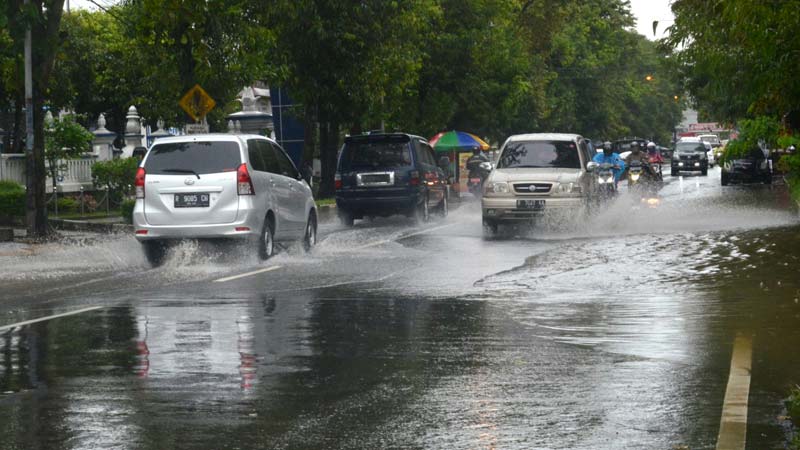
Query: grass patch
325,201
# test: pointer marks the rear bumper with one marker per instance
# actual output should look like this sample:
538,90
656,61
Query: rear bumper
382,205
747,176
504,209
247,225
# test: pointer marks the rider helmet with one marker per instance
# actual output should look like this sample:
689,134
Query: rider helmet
635,147
607,150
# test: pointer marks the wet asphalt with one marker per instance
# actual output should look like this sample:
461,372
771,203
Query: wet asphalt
614,332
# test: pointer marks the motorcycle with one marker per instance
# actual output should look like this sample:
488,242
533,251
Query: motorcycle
605,180
478,173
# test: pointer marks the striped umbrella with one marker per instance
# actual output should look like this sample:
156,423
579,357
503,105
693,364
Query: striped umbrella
457,140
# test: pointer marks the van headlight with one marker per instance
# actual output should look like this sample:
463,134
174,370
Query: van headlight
568,188
497,187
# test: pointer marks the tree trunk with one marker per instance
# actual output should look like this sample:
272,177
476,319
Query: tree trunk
329,143
36,204
45,45
16,136
309,135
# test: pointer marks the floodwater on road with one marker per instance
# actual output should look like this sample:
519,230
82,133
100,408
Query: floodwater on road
614,333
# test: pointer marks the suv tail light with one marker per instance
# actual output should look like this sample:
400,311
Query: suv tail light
414,181
337,181
139,182
244,183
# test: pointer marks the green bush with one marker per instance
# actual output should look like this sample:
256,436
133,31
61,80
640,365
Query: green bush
12,199
66,205
117,174
127,210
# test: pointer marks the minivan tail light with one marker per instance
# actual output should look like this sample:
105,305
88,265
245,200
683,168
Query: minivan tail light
139,182
243,182
337,181
414,181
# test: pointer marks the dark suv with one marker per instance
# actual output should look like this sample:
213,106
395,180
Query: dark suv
750,168
389,173
689,156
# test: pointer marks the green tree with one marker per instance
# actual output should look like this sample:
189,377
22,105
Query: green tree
43,18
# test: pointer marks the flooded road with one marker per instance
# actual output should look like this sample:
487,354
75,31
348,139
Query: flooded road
614,333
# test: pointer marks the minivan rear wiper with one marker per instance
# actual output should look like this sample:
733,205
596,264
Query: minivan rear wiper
182,171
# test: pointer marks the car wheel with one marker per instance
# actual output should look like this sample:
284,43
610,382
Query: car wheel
768,179
266,247
346,218
154,252
490,227
704,171
422,213
673,172
443,208
725,180
310,238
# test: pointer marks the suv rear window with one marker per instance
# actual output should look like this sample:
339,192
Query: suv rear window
392,152
193,157
552,154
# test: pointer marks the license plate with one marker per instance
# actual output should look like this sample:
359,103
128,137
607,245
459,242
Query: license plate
536,205
196,200
382,178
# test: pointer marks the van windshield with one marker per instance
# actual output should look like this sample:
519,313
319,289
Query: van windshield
376,154
193,158
552,154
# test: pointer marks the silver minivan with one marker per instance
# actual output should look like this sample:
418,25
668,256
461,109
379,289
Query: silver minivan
221,186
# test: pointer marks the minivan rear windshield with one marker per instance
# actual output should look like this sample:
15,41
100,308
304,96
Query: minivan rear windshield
552,154
180,158
376,154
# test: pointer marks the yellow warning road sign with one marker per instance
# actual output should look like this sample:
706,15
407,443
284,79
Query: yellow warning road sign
197,103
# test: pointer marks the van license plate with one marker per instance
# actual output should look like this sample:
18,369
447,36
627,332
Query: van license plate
536,205
196,200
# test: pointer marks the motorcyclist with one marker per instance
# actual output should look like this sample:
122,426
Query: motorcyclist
636,155
474,166
654,154
608,156
476,159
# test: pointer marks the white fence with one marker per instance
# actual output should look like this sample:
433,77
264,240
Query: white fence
78,173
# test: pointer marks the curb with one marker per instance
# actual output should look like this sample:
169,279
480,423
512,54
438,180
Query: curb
83,225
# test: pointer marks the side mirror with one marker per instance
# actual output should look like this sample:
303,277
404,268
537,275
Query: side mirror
444,163
591,167
308,176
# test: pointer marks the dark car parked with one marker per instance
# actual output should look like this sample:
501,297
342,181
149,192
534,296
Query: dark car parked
389,173
751,168
689,156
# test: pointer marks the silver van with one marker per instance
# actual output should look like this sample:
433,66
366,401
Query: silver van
536,174
221,186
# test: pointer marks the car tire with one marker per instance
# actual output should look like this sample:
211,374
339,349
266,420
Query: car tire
725,180
310,236
266,242
673,172
421,213
768,179
490,227
346,218
704,171
155,252
443,207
